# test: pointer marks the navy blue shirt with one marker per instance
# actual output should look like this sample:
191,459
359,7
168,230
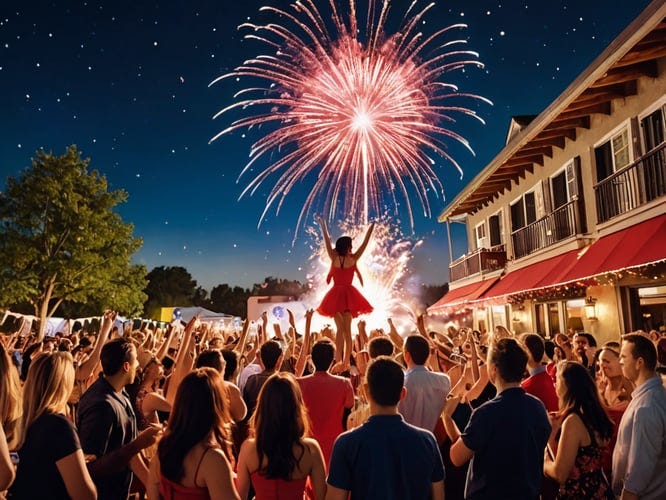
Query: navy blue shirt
386,459
106,423
508,436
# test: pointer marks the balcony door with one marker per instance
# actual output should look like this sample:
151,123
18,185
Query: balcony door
653,129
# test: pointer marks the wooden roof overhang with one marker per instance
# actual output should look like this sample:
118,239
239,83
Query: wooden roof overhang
612,75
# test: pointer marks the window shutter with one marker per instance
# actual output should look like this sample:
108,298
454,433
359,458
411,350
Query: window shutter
577,181
547,197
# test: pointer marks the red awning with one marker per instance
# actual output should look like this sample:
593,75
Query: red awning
461,295
641,244
638,245
539,275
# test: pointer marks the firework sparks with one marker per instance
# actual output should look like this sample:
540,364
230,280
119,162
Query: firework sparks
362,118
384,267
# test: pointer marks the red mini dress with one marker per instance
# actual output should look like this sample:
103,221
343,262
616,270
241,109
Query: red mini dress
343,296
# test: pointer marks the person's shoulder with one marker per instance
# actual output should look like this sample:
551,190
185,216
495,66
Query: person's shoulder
312,445
213,460
55,421
231,387
342,381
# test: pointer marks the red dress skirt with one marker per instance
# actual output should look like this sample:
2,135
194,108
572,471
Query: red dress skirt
343,296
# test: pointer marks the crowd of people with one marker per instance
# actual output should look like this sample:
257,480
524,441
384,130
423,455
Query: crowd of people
189,413
192,413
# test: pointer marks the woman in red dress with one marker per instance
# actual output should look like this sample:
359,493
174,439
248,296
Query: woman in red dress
343,301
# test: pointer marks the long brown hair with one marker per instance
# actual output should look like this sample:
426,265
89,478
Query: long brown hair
47,388
200,408
10,397
580,396
279,423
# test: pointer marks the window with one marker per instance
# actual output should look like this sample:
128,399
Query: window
559,189
481,240
495,229
613,155
652,127
523,211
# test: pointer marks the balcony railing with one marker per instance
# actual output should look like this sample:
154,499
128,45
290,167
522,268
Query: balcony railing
556,226
483,259
635,185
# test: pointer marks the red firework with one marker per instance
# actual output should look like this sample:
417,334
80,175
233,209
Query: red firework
362,117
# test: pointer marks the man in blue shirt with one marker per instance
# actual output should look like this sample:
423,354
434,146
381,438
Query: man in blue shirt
639,457
506,436
385,458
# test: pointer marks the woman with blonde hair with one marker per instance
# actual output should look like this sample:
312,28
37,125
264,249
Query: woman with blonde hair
10,397
279,458
51,462
193,459
10,412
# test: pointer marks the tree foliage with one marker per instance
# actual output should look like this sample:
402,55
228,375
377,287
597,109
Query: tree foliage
62,242
169,287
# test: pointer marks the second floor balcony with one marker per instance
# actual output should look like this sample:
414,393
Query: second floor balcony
558,225
636,184
480,260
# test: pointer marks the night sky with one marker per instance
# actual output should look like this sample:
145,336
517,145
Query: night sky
127,81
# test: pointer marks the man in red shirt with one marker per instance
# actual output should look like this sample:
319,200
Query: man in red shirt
539,383
326,397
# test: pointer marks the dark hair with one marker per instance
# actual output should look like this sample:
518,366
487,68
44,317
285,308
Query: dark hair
509,357
270,352
231,358
343,245
323,352
418,348
200,406
592,342
661,351
279,423
549,347
380,346
385,381
580,396
535,345
114,353
642,348
167,362
84,341
25,365
211,358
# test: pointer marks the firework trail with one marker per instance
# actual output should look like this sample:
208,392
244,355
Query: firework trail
361,115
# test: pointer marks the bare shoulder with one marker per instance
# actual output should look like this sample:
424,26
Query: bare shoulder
213,463
312,445
232,388
574,425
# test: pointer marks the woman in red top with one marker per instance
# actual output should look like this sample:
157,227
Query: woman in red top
343,301
279,459
193,458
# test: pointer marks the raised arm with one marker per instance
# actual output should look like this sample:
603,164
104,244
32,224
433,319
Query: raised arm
366,240
327,238
86,368
305,347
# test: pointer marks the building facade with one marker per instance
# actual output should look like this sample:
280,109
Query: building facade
566,226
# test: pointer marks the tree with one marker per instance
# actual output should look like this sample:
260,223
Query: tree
61,241
230,300
279,286
169,287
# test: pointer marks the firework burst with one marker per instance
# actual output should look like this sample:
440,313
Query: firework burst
384,266
362,116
